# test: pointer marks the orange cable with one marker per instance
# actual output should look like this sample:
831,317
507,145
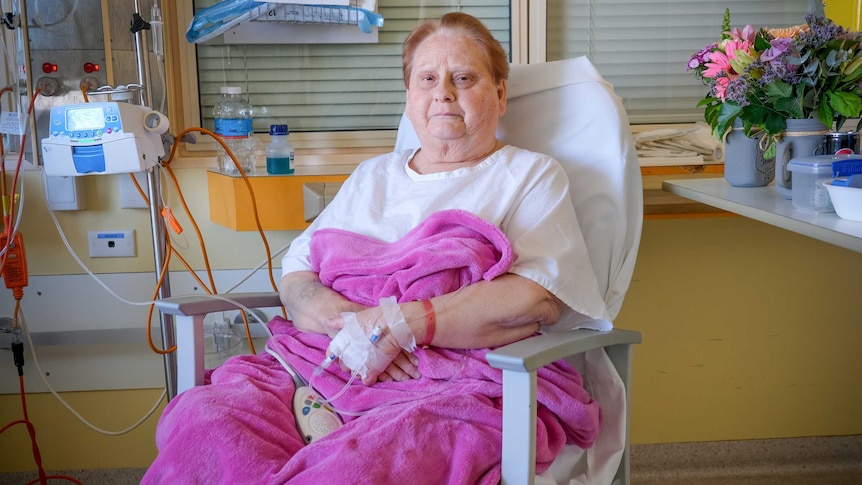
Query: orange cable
194,223
152,306
31,430
8,215
247,183
166,164
139,188
192,272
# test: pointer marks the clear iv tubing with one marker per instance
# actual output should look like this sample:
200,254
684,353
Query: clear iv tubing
353,374
156,25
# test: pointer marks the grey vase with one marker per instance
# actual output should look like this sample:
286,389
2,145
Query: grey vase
744,163
802,138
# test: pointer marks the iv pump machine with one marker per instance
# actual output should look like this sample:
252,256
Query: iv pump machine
103,138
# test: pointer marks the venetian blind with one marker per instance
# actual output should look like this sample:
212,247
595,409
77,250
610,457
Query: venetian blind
642,46
330,87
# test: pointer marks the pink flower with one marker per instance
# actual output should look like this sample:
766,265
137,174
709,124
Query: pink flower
718,64
721,88
746,34
732,46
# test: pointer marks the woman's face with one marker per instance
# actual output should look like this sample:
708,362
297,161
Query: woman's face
452,96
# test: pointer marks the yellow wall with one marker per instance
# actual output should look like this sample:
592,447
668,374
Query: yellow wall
845,12
749,331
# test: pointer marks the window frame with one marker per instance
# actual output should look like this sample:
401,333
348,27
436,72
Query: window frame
336,150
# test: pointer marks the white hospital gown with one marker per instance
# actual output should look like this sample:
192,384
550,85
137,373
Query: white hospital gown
523,193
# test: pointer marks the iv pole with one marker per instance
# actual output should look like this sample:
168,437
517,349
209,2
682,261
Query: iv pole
142,58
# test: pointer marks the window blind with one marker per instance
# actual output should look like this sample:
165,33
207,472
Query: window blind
642,46
330,87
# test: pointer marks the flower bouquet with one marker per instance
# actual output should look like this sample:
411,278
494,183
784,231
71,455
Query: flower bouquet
764,77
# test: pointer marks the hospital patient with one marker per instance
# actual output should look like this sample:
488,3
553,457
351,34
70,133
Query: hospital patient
430,257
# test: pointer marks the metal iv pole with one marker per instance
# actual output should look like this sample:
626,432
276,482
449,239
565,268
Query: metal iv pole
142,59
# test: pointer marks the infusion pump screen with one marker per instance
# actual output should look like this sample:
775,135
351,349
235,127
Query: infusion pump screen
85,119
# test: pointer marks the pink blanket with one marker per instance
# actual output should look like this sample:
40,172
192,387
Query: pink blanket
449,250
445,427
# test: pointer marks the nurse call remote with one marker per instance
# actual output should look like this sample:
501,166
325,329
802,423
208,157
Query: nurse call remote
314,419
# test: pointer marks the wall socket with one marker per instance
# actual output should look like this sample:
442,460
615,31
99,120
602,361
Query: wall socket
112,244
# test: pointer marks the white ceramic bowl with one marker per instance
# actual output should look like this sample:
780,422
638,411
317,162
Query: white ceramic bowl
847,201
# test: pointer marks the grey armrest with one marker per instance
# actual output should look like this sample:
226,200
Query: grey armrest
203,304
519,362
530,354
189,312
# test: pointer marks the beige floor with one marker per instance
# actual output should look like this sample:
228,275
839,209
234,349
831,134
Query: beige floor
794,461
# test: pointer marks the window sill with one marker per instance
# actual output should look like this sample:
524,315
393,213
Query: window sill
231,205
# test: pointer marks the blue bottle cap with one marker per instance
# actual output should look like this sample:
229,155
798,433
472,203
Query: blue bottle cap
278,130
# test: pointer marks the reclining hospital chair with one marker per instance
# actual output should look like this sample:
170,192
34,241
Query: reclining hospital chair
564,109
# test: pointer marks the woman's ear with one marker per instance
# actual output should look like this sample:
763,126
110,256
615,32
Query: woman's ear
501,95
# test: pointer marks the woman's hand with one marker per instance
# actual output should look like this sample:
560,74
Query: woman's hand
393,363
312,306
404,367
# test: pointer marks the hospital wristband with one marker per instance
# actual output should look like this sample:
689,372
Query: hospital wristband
430,323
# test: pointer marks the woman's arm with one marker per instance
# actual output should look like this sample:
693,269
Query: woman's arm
486,314
312,306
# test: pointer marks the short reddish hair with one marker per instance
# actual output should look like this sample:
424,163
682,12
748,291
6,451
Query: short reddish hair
462,24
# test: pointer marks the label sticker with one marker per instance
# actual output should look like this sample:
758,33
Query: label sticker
11,122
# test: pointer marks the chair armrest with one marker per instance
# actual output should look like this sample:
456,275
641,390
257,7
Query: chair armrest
529,354
519,362
202,304
189,312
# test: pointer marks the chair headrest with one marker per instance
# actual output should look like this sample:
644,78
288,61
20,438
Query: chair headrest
567,110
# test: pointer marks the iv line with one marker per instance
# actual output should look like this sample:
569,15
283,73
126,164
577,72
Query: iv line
65,404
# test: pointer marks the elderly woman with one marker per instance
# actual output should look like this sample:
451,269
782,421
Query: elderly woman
433,255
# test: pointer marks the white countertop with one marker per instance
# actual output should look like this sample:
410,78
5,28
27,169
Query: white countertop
765,204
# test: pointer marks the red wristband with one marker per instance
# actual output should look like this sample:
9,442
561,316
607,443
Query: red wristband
430,323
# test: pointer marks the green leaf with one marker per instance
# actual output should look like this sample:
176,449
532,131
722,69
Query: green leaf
755,113
729,111
825,114
778,89
761,44
847,104
793,106
775,123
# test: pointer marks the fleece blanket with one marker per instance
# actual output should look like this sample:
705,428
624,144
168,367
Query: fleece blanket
445,427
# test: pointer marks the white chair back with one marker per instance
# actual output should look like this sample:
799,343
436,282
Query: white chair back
565,109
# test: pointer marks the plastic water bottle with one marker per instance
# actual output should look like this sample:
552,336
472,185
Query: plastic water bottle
279,152
233,123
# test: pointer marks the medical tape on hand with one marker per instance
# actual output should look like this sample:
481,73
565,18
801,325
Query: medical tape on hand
397,324
355,349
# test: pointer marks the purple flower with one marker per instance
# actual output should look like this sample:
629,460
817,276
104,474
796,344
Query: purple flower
737,91
777,49
701,57
821,30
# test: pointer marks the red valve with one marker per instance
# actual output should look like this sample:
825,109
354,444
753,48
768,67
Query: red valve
48,68
90,67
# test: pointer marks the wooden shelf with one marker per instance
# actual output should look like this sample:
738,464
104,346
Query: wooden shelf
278,198
280,204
